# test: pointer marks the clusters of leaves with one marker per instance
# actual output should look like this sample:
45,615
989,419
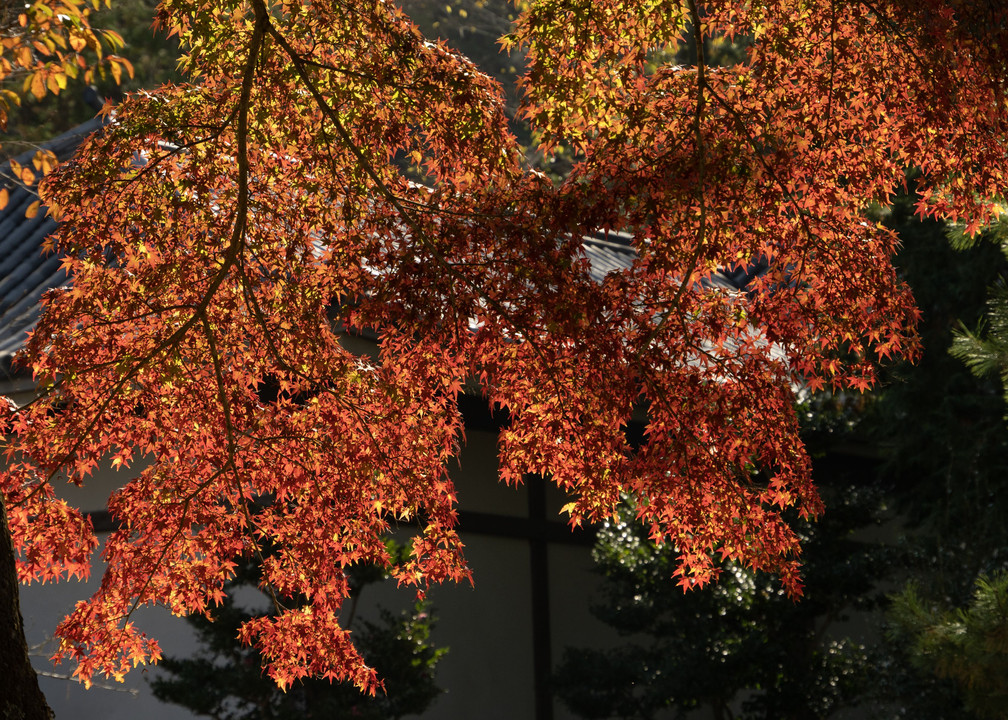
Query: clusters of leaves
225,681
937,442
224,234
44,46
153,59
942,439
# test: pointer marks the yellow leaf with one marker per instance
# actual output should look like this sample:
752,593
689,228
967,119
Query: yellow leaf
4,198
44,161
113,39
33,209
37,86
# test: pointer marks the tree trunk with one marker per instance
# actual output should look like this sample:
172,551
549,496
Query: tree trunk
20,696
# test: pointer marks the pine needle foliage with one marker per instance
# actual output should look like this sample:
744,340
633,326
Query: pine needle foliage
967,645
984,349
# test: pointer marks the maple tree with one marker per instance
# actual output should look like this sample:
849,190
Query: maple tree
223,235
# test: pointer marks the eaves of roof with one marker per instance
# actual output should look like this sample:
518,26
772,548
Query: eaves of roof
25,271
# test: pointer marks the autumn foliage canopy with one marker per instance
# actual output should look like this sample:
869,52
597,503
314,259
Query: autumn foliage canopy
327,172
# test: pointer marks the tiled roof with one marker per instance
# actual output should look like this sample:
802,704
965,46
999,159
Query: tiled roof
25,273
609,251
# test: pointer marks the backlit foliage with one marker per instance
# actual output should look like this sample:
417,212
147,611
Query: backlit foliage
223,235
43,45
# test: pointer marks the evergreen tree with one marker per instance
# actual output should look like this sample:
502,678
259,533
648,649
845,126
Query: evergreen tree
940,427
942,431
741,649
968,646
985,349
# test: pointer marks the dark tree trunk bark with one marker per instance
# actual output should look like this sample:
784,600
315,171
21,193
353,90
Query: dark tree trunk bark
20,696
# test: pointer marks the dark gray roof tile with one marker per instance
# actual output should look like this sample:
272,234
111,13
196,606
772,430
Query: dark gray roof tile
25,271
